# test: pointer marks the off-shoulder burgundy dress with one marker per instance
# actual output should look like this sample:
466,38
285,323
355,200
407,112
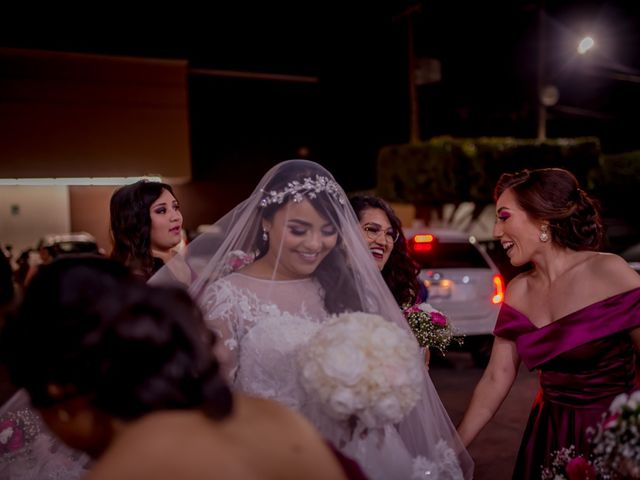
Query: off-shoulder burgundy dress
585,359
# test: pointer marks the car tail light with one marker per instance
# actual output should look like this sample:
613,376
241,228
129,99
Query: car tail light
498,290
422,243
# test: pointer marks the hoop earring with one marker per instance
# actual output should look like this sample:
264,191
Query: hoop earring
265,235
544,236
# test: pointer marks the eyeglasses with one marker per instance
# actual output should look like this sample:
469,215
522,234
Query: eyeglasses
374,231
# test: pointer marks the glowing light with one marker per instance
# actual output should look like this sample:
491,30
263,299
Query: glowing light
425,238
422,247
585,45
498,290
74,181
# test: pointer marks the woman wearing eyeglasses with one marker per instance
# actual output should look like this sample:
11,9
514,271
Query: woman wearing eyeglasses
383,233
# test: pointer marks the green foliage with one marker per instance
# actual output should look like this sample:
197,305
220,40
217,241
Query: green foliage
618,182
452,170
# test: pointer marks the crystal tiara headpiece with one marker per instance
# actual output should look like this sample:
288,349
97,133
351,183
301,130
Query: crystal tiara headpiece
298,190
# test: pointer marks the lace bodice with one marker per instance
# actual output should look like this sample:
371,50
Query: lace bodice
262,325
259,338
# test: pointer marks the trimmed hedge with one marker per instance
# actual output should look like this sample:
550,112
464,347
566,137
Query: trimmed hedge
618,183
452,170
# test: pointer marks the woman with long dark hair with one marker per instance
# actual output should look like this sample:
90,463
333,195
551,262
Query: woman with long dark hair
146,226
388,246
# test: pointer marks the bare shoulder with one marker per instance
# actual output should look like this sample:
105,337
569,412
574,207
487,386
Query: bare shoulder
142,450
612,272
517,288
168,445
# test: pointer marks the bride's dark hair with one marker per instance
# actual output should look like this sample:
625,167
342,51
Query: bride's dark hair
334,273
130,348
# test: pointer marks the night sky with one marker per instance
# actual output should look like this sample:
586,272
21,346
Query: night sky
488,54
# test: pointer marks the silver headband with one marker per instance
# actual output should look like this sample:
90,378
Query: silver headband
309,187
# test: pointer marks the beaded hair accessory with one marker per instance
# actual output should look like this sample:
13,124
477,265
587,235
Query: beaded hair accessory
309,187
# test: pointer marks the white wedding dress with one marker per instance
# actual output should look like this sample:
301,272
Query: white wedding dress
259,341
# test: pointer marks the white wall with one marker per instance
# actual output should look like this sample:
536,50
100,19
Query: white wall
29,213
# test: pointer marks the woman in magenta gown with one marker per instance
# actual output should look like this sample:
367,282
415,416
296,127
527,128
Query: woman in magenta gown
574,317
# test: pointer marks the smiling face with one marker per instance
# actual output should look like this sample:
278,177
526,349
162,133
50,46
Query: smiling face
299,239
378,233
517,232
166,222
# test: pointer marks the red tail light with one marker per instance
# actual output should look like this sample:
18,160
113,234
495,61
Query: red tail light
498,290
422,243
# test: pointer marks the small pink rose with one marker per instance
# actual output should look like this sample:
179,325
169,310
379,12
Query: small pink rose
438,319
579,468
413,309
11,436
236,263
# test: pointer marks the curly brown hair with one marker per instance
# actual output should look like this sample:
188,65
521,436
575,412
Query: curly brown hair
400,272
554,195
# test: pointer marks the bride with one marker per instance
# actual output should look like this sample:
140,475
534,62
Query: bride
270,274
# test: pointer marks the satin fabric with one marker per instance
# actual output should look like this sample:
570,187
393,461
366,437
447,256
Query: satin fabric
585,360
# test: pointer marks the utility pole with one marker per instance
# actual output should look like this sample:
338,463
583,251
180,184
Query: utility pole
542,46
414,136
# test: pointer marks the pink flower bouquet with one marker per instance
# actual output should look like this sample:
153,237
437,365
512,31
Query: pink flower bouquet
566,465
430,326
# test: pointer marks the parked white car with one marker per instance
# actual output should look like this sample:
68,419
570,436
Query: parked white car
463,282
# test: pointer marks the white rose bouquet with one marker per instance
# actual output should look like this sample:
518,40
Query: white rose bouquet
362,368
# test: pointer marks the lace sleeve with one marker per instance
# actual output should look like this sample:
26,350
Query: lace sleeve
222,319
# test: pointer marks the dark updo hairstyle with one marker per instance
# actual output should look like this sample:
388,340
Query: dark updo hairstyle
400,272
333,273
131,224
88,326
554,195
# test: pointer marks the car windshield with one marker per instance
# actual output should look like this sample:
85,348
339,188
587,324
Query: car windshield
450,255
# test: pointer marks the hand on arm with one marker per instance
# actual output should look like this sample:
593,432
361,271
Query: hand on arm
491,390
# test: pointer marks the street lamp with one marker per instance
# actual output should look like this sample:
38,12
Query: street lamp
585,45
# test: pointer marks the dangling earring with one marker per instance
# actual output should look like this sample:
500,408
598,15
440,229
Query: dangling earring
265,235
544,236
63,415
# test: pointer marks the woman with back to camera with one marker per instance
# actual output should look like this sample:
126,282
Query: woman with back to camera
285,261
575,317
146,226
124,372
